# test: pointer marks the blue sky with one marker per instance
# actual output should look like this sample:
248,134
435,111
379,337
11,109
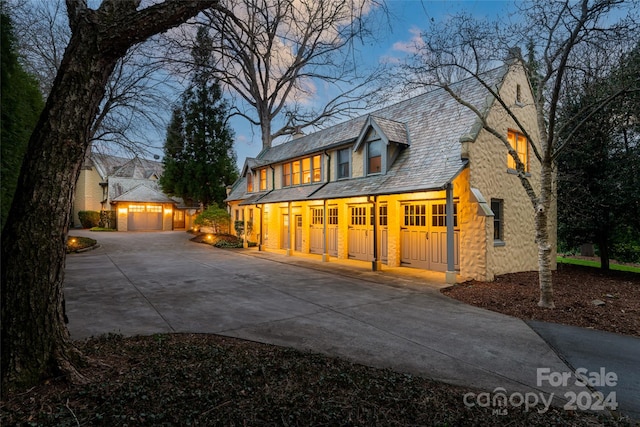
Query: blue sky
408,18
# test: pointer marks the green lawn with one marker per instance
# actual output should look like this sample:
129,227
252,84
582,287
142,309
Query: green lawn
596,264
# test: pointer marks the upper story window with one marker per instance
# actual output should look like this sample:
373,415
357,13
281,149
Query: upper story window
249,182
344,163
519,143
302,171
295,166
263,179
317,168
286,175
306,170
374,157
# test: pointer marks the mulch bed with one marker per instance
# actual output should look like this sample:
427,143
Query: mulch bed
575,290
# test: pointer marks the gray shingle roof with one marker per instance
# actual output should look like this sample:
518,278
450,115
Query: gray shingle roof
432,122
142,193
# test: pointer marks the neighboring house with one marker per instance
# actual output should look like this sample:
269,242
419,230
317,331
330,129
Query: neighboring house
130,188
415,184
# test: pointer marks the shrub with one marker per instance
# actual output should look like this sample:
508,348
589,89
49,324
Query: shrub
239,227
107,219
215,217
227,241
626,252
89,219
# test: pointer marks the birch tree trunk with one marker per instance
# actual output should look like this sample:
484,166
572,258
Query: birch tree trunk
542,234
35,341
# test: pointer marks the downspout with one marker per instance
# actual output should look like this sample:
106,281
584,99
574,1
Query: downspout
375,265
289,230
244,227
259,207
325,253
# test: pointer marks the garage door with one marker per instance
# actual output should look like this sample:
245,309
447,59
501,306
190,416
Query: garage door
424,236
144,217
316,237
360,235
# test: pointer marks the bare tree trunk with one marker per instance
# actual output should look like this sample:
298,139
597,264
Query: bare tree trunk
542,235
35,341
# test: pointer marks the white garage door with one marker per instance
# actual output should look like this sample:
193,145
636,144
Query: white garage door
144,217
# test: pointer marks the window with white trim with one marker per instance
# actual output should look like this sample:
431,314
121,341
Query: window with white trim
344,163
374,157
317,216
519,143
263,179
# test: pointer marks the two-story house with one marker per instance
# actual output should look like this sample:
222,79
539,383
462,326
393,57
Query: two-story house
417,184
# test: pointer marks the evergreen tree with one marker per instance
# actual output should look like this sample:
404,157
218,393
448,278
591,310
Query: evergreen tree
598,171
199,157
21,103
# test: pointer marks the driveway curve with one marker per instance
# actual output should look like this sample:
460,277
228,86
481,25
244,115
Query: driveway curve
159,282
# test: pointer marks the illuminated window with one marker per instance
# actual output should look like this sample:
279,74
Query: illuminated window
382,211
374,157
296,172
136,208
344,160
263,179
519,143
332,216
306,170
439,215
286,175
359,215
249,182
154,208
317,216
415,215
498,225
317,169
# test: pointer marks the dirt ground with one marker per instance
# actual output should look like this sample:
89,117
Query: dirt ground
583,297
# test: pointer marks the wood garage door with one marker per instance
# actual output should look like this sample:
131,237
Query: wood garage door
316,232
361,232
144,217
424,236
332,230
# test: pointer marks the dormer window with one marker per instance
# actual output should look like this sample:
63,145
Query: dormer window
249,182
374,157
263,179
381,141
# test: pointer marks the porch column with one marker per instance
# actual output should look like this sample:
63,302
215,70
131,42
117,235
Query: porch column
260,243
451,269
325,254
244,227
289,229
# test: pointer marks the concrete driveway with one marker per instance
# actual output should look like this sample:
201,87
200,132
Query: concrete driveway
145,283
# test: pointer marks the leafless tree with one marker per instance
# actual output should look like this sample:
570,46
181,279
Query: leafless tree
281,54
35,341
137,92
559,34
